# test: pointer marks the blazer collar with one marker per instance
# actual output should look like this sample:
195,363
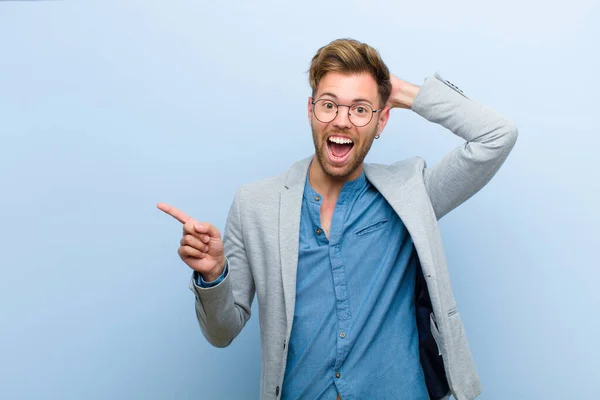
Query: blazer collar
290,209
296,175
376,174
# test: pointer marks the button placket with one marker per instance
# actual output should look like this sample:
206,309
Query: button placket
338,269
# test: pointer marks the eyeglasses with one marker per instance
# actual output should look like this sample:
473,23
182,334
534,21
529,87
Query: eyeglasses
360,114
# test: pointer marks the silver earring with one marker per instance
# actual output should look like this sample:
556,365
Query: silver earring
377,136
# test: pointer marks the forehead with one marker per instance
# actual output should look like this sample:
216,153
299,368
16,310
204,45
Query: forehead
348,88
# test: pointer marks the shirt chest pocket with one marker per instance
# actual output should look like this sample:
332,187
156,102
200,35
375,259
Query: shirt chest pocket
371,227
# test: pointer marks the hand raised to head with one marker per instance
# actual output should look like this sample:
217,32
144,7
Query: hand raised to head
403,94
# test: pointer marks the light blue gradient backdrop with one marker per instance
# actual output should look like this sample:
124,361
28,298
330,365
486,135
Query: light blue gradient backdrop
107,108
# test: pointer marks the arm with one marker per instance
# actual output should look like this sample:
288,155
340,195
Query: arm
223,309
489,138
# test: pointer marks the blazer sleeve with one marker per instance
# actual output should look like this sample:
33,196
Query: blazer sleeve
224,309
489,138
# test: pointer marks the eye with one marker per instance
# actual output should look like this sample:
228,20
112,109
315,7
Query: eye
328,105
361,109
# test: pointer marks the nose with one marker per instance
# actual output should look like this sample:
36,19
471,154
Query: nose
342,119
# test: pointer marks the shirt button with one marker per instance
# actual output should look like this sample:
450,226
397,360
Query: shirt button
342,335
319,231
317,198
337,374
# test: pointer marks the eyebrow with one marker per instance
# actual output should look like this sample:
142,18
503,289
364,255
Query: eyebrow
353,101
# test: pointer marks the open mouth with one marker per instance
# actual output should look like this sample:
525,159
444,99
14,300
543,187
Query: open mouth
339,149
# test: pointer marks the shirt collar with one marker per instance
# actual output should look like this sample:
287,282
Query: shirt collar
348,189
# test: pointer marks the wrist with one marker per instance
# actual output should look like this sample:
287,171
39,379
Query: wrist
410,92
215,273
403,93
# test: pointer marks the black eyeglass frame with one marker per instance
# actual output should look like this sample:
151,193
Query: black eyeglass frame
314,103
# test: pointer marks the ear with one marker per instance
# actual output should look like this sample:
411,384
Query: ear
310,110
383,119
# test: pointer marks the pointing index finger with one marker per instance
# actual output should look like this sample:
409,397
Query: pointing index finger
174,212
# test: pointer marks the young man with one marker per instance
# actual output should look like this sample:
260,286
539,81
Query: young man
346,257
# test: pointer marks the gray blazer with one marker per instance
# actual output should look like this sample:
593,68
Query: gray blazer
261,237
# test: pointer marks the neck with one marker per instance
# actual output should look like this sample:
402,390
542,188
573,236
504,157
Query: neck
326,185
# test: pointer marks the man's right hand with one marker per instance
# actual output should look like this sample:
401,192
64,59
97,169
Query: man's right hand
201,246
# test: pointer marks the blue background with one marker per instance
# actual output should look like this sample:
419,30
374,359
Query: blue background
109,107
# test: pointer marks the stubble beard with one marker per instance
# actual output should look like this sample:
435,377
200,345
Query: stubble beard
355,161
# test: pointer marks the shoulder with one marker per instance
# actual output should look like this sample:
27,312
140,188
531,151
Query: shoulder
262,187
405,169
268,189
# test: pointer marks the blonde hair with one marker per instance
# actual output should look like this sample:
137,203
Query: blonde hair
349,56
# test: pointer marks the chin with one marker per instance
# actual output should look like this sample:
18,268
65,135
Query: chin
337,172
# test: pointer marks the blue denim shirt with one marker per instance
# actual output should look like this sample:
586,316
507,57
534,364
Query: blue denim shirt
354,330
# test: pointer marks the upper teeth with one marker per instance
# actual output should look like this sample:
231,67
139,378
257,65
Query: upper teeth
340,140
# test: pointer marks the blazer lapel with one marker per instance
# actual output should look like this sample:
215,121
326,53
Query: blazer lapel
407,200
290,208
